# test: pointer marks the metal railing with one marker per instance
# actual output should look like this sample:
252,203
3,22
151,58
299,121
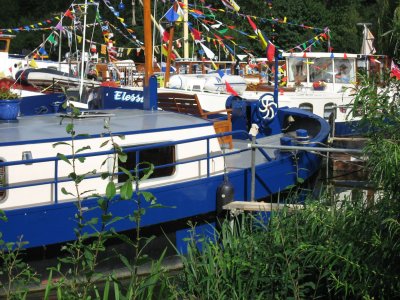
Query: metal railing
57,179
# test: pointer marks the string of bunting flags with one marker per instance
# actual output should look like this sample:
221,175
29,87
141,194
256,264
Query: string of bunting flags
217,32
32,27
262,19
208,20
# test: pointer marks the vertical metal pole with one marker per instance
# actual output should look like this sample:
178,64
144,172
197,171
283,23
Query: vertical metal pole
83,50
56,181
253,167
208,158
276,84
59,45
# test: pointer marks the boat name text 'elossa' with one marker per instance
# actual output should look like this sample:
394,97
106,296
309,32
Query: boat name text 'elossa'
123,96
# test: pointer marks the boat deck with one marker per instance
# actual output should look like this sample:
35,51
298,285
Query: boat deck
242,160
51,127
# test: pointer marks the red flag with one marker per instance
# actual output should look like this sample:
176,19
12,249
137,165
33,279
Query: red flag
69,14
271,51
230,90
345,56
252,24
164,33
196,34
394,70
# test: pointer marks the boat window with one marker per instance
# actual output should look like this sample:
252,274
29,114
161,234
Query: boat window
2,181
306,106
344,70
3,45
321,69
156,156
297,69
329,108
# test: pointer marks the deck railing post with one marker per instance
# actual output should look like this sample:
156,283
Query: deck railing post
253,168
208,157
253,133
56,181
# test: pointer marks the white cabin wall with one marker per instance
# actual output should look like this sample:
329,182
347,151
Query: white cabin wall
44,194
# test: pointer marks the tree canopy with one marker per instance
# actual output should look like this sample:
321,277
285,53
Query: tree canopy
303,20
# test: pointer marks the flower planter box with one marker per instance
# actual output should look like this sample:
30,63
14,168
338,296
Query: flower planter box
9,109
319,88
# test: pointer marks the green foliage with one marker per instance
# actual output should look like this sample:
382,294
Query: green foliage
379,107
346,251
15,274
6,94
78,267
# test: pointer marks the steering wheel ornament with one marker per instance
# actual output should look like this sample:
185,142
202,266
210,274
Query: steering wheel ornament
267,107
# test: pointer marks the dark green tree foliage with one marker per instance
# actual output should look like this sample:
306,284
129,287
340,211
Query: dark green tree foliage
340,16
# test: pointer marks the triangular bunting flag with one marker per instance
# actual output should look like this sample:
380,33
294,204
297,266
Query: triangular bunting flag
230,90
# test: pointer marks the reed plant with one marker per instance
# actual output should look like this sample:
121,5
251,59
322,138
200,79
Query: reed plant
78,271
346,251
15,274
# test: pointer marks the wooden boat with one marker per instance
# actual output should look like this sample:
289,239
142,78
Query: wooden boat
189,160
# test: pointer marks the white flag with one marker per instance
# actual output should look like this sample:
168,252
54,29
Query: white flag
207,51
367,45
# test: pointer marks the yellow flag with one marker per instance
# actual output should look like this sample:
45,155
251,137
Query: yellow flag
33,63
103,49
79,38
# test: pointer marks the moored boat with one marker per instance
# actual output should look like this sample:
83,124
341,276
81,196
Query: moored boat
36,193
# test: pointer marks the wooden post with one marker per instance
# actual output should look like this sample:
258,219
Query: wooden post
148,51
168,63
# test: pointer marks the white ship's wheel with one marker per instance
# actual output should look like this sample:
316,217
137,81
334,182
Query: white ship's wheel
267,107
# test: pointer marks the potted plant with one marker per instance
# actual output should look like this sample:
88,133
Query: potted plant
319,85
9,103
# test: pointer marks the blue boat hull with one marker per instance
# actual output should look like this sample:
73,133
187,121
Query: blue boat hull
51,224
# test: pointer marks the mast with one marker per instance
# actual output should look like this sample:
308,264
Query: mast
148,46
83,50
185,30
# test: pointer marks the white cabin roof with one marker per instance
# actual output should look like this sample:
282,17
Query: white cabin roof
47,128
318,54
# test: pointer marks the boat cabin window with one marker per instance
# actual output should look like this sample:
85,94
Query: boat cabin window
156,156
3,45
306,106
344,70
2,181
329,108
298,69
321,69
